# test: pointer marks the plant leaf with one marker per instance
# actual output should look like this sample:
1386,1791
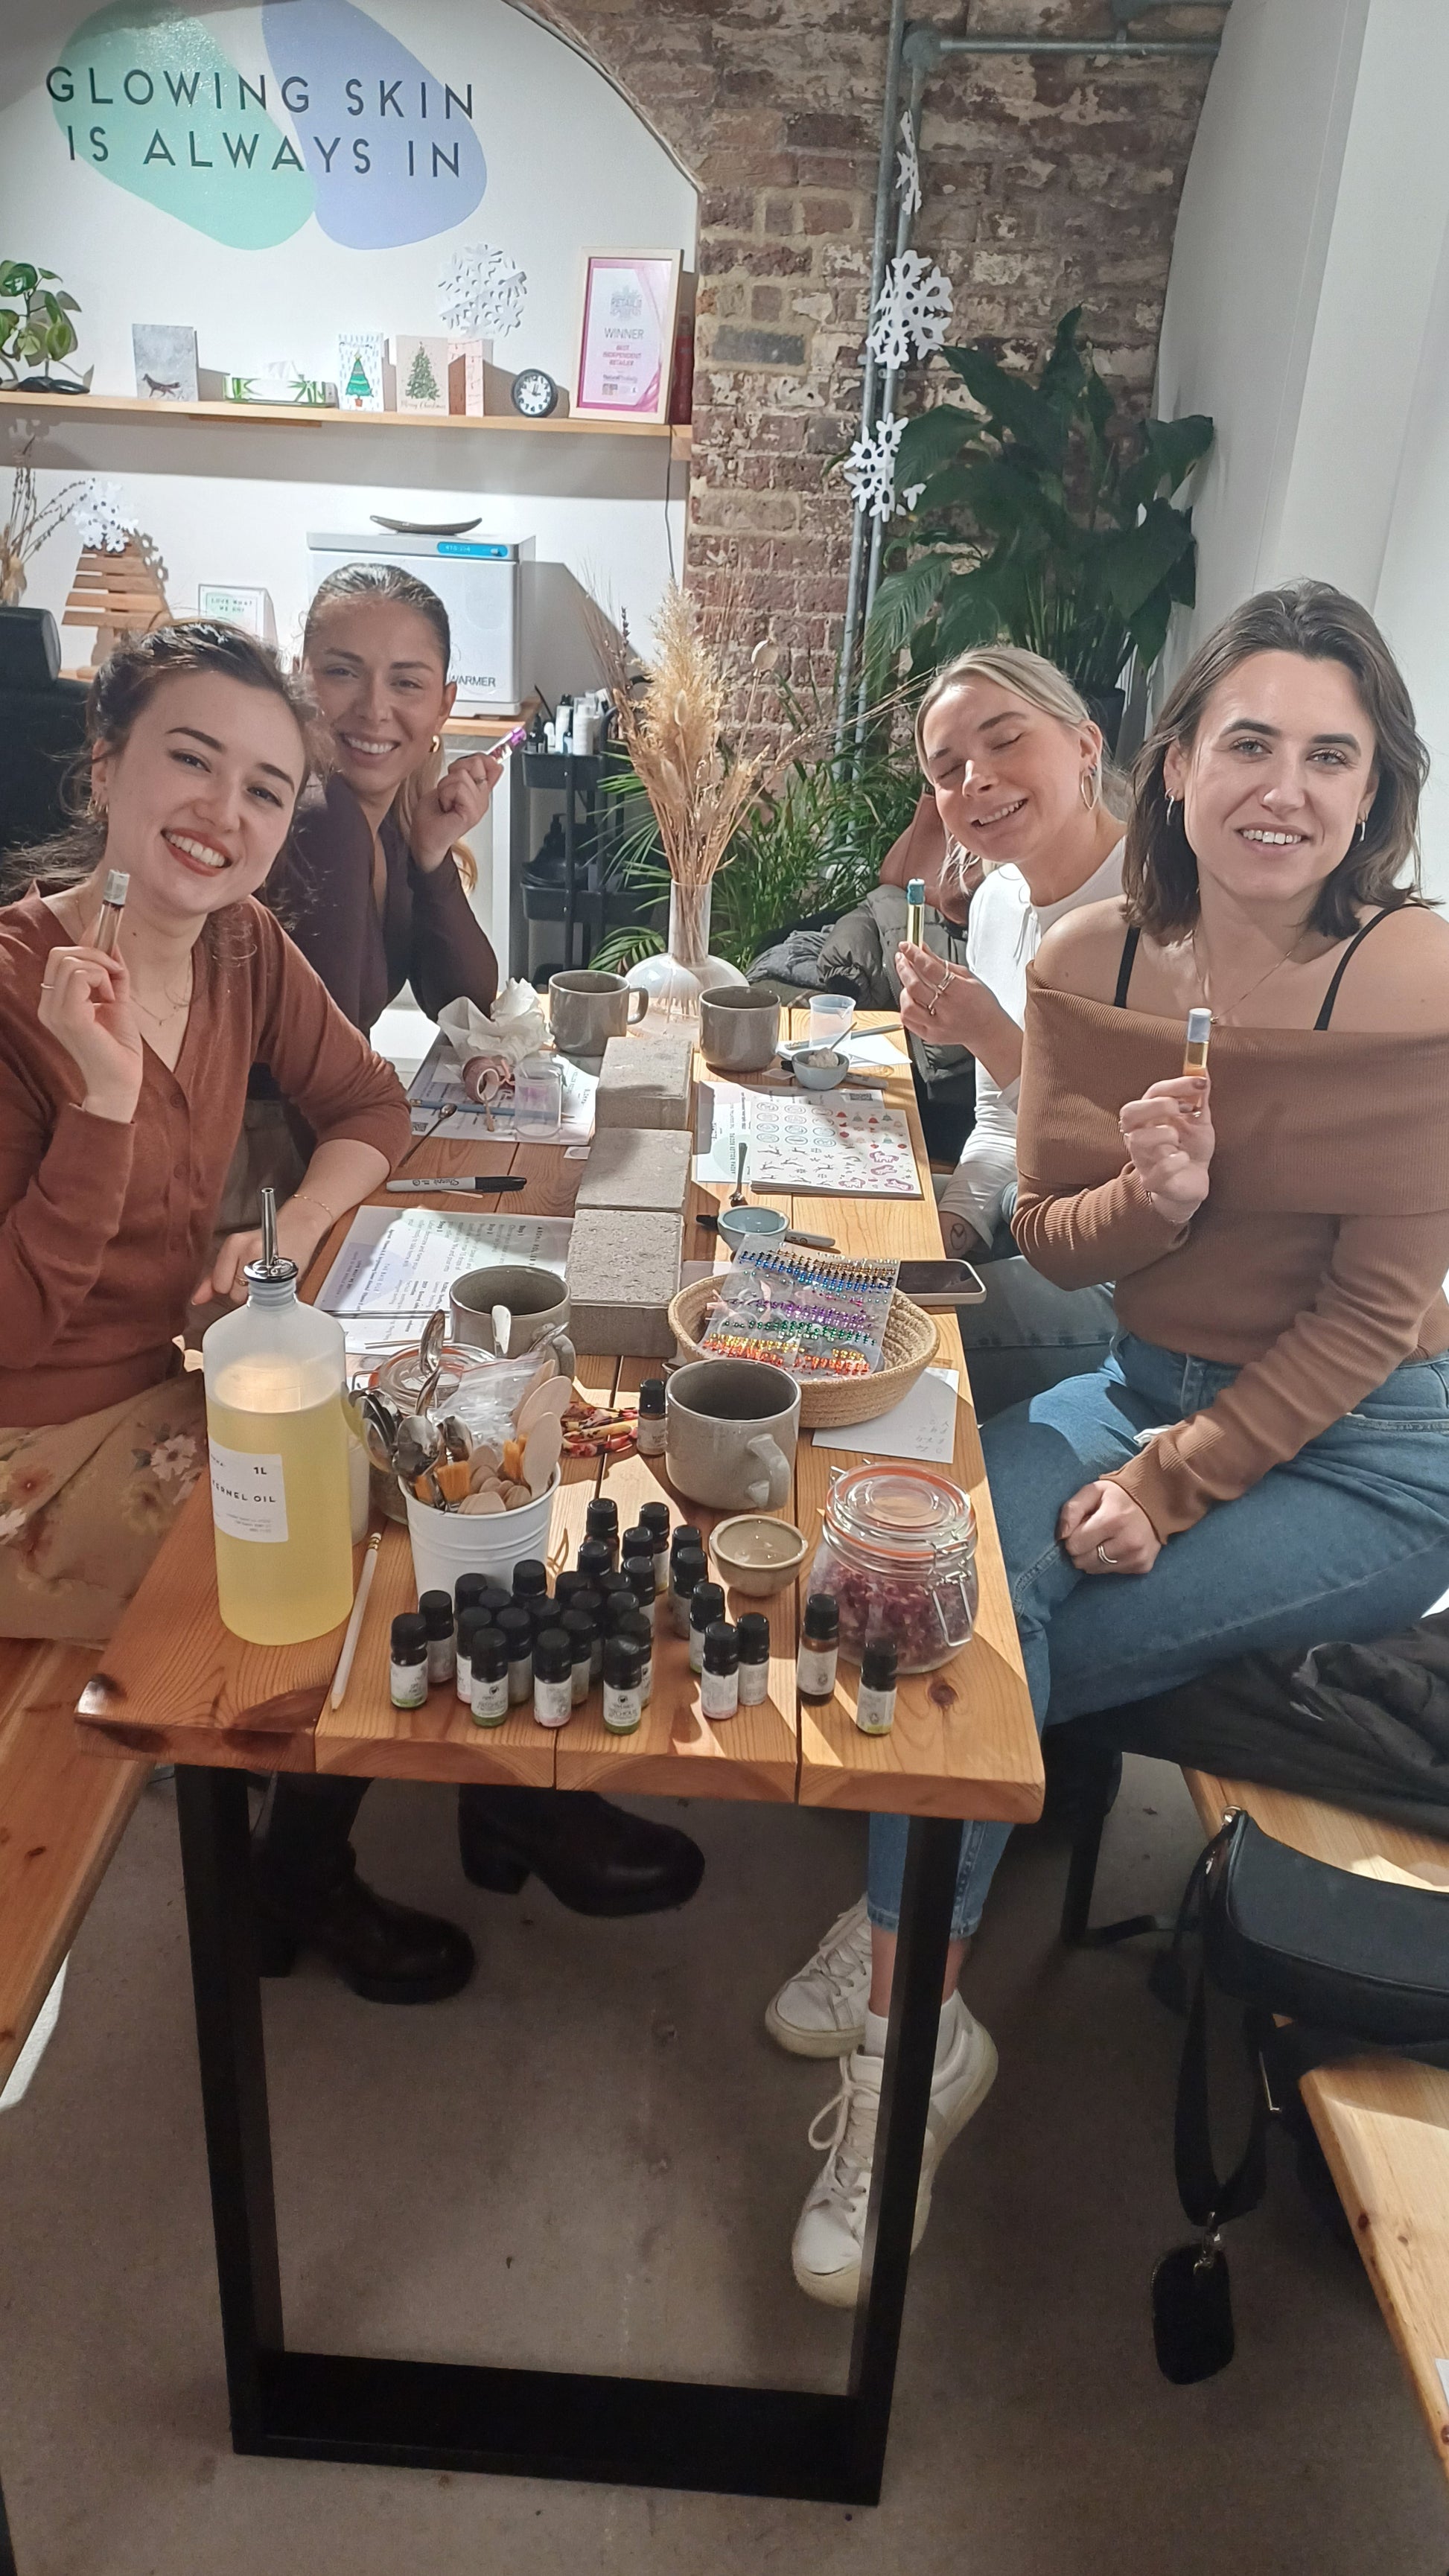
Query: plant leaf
1134,560
901,602
929,440
1010,403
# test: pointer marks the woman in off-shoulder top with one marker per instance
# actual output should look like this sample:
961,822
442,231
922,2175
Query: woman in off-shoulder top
1263,1460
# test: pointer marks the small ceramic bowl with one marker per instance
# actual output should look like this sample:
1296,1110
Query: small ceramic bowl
756,1554
820,1068
750,1225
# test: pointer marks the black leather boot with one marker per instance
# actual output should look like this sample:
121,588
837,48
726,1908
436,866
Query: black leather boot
592,1856
308,1896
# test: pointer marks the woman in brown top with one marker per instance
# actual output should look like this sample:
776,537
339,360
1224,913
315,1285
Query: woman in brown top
1263,1461
122,1084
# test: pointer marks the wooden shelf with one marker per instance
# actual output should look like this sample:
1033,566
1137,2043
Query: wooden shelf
128,409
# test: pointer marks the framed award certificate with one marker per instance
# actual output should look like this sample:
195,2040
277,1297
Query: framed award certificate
626,335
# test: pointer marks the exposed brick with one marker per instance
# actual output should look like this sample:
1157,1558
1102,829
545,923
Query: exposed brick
759,348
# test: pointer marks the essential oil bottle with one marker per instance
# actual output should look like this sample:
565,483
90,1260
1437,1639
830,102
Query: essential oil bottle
719,1684
595,1557
601,1521
471,1623
408,1660
687,1573
707,1602
488,1673
515,1625
753,1638
435,1609
875,1701
819,1647
655,1518
623,1698
650,1437
553,1666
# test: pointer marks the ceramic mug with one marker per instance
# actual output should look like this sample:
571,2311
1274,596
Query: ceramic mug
730,1428
537,1301
739,1029
586,1009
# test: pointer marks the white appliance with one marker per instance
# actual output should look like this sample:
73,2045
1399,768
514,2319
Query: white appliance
478,581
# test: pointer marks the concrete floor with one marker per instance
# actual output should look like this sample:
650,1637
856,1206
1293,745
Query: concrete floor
595,2157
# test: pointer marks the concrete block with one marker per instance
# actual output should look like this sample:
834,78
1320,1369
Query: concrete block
623,1268
645,1081
637,1167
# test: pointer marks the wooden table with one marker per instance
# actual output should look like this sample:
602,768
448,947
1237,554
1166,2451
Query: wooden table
176,1685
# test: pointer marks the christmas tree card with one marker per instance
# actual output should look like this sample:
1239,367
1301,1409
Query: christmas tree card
421,367
360,370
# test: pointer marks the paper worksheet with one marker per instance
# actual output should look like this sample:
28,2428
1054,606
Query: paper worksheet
922,1425
436,1099
843,1144
397,1265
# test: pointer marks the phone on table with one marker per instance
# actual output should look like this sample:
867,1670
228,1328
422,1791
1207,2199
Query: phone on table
940,1283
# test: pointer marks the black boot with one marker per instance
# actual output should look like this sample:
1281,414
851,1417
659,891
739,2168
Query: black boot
308,1896
594,1857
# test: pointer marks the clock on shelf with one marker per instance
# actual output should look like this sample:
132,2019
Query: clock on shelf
534,393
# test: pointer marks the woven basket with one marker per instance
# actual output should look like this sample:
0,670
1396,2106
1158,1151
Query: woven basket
826,1403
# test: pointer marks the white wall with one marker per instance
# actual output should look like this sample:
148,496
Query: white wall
1307,312
569,167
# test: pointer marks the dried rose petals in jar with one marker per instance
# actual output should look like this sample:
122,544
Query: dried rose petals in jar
898,1550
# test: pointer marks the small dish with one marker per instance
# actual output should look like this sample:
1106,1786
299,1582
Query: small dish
750,1225
820,1068
757,1554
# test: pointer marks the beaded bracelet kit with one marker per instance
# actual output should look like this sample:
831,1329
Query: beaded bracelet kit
813,1314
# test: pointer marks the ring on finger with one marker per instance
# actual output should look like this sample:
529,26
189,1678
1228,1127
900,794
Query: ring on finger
1105,1558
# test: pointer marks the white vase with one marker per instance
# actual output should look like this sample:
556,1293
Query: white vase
675,979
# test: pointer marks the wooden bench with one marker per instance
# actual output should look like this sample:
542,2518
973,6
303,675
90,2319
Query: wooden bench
1382,2122
61,1817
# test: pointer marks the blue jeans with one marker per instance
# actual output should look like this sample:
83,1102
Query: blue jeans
1350,1540
1029,1334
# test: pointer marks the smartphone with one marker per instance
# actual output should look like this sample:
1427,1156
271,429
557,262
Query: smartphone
940,1283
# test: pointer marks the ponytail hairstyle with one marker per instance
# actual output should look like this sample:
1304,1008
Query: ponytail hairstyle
1311,618
1038,682
359,585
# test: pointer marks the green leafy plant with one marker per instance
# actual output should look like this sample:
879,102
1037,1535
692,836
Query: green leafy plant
35,325
1036,521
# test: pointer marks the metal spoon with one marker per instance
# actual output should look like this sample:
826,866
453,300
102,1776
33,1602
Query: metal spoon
457,1438
430,1348
379,1429
737,1195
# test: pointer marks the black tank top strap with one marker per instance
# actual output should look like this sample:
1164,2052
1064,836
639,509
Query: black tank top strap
1124,971
1341,969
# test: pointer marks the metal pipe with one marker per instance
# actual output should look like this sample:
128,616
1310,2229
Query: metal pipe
877,526
889,110
1112,47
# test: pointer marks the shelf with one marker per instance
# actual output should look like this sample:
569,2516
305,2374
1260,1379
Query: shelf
383,451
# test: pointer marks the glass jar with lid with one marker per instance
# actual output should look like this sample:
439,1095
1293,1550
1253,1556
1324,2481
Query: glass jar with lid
898,1550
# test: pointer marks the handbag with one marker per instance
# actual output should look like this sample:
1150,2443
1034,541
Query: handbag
1354,1963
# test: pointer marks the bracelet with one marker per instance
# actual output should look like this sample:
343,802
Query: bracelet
313,1201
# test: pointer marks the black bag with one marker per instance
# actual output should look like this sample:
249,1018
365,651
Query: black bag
1354,1962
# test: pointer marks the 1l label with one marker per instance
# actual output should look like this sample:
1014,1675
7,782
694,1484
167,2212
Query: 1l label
248,1494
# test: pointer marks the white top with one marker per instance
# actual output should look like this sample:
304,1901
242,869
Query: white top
1003,933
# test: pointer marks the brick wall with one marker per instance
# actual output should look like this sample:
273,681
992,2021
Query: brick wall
1046,182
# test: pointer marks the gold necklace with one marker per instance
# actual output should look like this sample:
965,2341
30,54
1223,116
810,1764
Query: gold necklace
1226,1018
174,1001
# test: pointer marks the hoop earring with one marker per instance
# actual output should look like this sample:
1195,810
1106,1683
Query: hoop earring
1362,827
1090,788
1171,811
436,744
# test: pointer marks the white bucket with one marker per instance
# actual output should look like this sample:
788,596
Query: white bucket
447,1544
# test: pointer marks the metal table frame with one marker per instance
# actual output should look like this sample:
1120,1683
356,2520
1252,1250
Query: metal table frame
538,2423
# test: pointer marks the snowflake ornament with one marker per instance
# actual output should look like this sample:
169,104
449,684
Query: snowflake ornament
912,311
482,290
870,468
100,516
908,169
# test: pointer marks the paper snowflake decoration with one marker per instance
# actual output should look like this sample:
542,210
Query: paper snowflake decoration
100,516
912,311
482,290
908,169
870,468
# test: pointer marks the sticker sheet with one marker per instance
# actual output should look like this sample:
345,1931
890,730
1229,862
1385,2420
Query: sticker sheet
835,1144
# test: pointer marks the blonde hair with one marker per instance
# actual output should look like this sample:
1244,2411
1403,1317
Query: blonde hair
1032,677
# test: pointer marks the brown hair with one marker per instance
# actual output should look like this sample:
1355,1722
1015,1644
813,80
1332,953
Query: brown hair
122,687
1311,618
361,585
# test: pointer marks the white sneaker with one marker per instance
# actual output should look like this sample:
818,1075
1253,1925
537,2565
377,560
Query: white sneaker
820,2011
827,2243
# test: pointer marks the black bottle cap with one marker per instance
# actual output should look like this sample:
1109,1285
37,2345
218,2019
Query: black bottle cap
642,1634
754,1636
468,1591
685,1534
651,1395
654,1516
590,1600
689,1570
640,1571
495,1597
435,1609
822,1618
580,1631
601,1520
721,1648
638,1541
612,1582
595,1557
530,1579
516,1624
878,1663
489,1659
409,1638
567,1585
707,1602
619,1609
553,1655
623,1663
471,1624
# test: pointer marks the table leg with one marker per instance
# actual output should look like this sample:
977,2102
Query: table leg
215,1860
932,1856
7,2551
536,2423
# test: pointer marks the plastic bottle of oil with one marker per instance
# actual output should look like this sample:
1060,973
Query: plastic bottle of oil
278,1436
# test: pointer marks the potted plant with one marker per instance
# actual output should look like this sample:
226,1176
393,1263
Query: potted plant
1031,516
95,506
36,329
